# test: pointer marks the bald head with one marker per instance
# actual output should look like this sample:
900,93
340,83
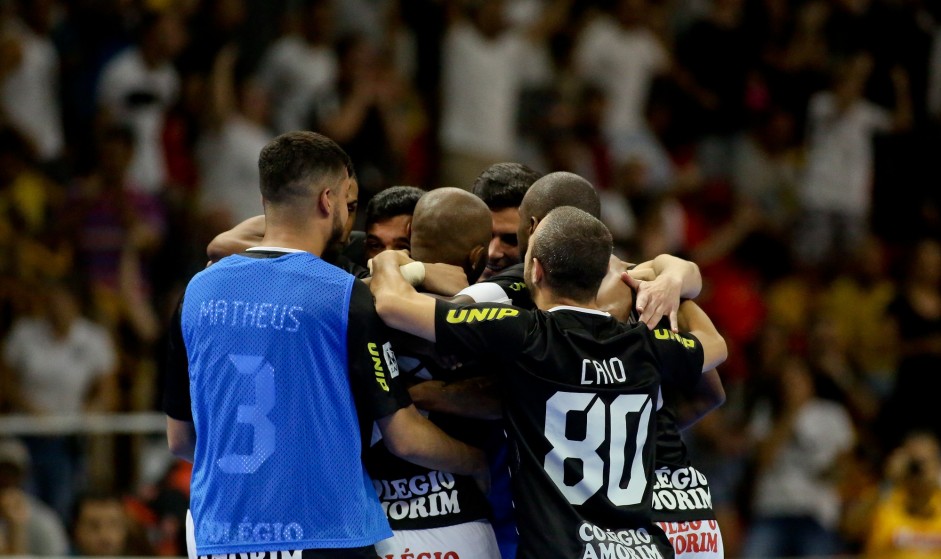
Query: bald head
452,226
554,191
573,249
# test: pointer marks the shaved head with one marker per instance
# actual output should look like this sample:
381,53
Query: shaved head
554,191
452,226
573,249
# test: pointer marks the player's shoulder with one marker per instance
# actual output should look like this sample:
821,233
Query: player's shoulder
514,272
511,279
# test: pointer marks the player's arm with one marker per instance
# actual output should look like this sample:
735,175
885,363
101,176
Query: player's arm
240,238
675,279
616,297
475,397
411,436
181,438
397,302
435,278
707,395
181,433
692,319
381,397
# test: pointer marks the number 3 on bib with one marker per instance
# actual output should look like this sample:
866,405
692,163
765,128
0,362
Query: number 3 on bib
598,414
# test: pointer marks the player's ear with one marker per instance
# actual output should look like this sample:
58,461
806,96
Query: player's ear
533,222
324,201
477,260
537,271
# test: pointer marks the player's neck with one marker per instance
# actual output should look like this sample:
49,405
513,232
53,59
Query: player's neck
545,299
307,239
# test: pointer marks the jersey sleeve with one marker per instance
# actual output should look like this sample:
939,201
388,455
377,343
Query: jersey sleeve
514,287
480,329
378,389
681,356
486,292
176,388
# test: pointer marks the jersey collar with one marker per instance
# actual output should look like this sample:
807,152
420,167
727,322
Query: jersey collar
578,309
272,249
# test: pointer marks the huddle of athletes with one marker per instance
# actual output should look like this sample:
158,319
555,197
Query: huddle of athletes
532,406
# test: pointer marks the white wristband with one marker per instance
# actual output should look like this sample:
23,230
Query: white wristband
414,273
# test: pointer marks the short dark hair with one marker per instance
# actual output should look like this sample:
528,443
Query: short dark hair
503,185
393,201
573,248
292,161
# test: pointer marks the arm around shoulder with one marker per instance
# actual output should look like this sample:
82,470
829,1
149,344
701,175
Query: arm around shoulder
397,302
692,319
240,238
411,436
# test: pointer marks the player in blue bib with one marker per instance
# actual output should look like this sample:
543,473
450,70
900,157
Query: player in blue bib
278,360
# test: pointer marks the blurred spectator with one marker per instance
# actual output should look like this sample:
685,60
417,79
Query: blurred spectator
857,300
622,55
29,77
796,54
800,437
138,86
29,203
372,114
234,133
27,525
714,56
484,67
860,490
907,521
837,377
300,69
916,314
934,77
835,193
117,227
62,364
101,527
764,171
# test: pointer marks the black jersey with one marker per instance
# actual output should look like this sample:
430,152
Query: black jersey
681,493
417,498
580,395
513,282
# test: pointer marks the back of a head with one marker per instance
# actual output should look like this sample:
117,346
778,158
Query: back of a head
503,185
556,190
393,201
448,225
573,248
298,165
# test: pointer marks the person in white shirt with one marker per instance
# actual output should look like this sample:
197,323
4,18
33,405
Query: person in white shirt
800,438
484,63
61,364
836,191
29,88
138,86
620,54
228,147
299,70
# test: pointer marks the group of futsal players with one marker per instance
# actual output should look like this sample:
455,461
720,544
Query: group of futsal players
532,405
